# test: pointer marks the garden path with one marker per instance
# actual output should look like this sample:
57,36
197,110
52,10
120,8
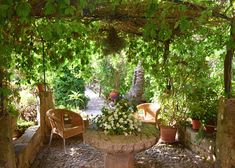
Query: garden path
95,103
81,155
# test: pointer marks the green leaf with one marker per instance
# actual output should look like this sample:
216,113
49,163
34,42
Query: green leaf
23,9
151,9
67,2
82,4
70,10
150,30
49,8
165,32
184,24
3,10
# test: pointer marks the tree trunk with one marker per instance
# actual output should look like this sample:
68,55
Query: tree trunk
225,137
228,62
7,154
137,88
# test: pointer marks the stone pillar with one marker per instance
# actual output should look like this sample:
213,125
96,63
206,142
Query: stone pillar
7,154
46,103
225,139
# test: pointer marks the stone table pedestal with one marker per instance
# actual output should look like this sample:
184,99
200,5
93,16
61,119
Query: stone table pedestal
119,160
119,149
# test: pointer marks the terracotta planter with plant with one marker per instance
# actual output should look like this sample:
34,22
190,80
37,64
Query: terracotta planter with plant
195,113
113,95
196,124
41,87
167,133
169,118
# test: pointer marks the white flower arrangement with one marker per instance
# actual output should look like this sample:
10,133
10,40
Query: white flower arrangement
119,120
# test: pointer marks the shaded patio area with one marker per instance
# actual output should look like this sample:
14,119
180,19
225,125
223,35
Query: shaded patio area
81,155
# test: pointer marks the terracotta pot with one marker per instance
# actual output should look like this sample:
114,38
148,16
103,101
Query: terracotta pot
41,87
196,124
167,134
113,95
209,128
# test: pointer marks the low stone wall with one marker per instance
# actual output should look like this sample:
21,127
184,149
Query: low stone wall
203,145
27,147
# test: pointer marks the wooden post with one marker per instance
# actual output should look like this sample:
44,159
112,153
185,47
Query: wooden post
46,103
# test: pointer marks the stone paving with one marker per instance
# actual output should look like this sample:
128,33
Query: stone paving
81,155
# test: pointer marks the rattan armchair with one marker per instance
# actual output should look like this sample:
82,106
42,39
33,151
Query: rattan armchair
151,111
58,126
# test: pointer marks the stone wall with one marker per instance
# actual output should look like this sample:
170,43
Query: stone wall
46,103
27,147
7,154
203,145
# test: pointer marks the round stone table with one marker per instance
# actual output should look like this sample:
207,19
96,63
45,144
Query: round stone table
119,149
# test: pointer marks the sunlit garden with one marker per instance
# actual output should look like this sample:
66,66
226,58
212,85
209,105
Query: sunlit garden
118,84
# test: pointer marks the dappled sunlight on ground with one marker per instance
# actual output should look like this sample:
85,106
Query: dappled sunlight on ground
80,155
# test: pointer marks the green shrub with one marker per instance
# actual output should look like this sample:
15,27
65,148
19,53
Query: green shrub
70,89
22,125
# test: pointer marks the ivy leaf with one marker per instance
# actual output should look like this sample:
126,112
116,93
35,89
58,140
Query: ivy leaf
150,30
165,32
151,10
184,24
67,2
23,9
3,10
70,10
49,8
82,4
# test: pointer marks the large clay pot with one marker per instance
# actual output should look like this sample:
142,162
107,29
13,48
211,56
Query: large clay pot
196,124
41,87
113,95
167,134
209,128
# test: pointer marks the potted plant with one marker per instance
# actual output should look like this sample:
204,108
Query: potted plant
119,119
41,86
169,118
113,95
210,118
195,113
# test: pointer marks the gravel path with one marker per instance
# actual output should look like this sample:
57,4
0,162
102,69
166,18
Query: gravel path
81,155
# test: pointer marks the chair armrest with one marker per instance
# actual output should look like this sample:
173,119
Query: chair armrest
56,122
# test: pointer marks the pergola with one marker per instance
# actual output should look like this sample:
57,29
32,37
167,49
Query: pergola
132,18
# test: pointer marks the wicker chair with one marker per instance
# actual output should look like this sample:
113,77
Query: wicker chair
59,126
151,111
